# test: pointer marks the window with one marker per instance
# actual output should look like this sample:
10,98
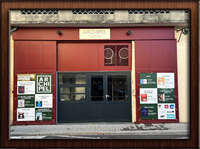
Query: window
116,55
72,87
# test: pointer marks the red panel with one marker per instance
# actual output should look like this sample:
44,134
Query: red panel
73,33
46,34
142,33
155,55
78,56
35,56
86,57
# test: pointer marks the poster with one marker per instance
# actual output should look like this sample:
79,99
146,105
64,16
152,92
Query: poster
148,111
166,111
148,80
44,100
43,114
26,77
148,95
165,80
25,114
26,101
25,87
44,83
166,95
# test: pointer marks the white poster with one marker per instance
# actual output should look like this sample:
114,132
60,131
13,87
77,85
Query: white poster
148,95
25,114
166,111
165,80
26,77
43,100
25,87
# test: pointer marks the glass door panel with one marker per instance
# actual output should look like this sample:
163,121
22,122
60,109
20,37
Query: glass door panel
97,88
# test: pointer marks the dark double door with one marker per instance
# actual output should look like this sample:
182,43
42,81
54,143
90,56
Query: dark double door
94,97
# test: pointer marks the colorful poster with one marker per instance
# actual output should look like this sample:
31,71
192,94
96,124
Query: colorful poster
148,95
25,114
26,101
148,80
165,95
44,100
25,87
148,112
43,114
165,80
44,83
166,111
26,77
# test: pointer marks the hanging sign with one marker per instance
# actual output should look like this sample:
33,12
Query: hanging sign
44,83
44,100
148,95
25,101
25,114
148,111
165,80
43,114
148,80
166,111
94,33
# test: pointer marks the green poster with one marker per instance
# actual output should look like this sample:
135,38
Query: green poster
44,83
148,80
43,114
26,101
165,95
148,111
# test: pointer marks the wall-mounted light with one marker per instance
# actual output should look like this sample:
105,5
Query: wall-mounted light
59,32
129,32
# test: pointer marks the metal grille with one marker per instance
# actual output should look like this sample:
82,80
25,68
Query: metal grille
39,11
92,11
148,11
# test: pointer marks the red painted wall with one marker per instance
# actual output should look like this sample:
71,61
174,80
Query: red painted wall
155,56
35,57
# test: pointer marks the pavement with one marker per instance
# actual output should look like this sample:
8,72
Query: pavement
101,131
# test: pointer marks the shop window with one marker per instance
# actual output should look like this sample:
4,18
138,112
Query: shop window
116,55
117,88
72,87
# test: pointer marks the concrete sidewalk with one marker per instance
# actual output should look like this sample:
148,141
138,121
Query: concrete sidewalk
101,131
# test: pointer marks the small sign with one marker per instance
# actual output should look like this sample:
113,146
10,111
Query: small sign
25,114
165,80
148,111
44,100
44,83
165,95
94,33
166,111
43,114
148,80
26,101
148,95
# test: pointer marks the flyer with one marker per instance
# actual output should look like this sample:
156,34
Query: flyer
25,87
44,83
165,80
148,95
43,100
26,77
25,114
166,111
166,95
148,111
43,114
26,101
148,80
